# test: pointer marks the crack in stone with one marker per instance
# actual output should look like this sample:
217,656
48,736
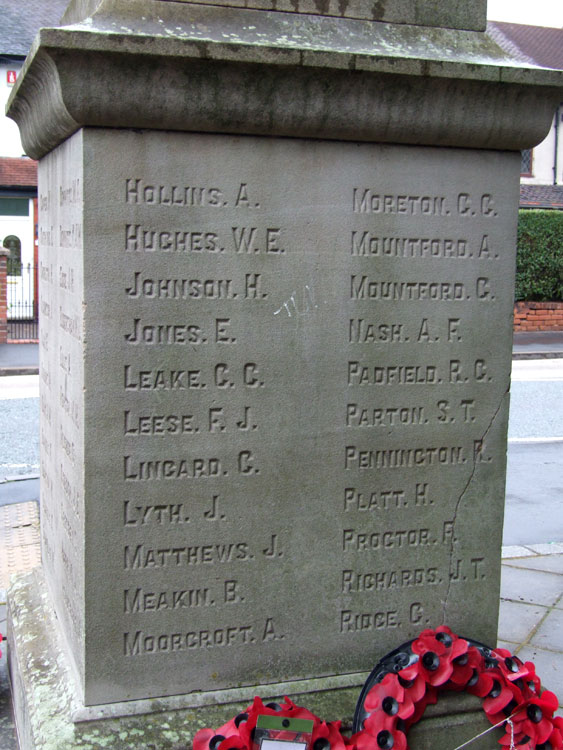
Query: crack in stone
459,501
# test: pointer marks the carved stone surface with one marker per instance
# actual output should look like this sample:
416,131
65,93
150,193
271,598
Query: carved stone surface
293,427
61,387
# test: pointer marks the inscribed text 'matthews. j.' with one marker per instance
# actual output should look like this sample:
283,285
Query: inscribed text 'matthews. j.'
277,417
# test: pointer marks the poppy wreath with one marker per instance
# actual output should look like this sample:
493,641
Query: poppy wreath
409,678
239,733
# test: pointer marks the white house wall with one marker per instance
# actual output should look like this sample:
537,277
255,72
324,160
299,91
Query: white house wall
543,157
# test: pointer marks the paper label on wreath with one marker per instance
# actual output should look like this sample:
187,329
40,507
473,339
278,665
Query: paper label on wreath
282,733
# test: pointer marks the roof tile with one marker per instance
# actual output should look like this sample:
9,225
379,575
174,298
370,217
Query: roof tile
537,44
20,20
541,196
18,172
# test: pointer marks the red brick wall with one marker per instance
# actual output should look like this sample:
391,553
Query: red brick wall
3,296
538,316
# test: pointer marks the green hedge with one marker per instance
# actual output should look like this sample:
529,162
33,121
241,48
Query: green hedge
539,258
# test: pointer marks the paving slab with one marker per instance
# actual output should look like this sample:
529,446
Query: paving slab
515,551
517,620
547,563
19,386
550,548
19,540
549,635
508,645
533,587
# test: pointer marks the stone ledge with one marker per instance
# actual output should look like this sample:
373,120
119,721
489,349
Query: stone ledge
278,74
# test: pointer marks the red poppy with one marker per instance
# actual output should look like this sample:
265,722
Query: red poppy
380,731
520,740
464,666
243,724
441,641
428,699
234,742
511,666
390,697
435,670
201,740
436,650
556,736
459,645
535,719
230,728
427,641
414,688
480,684
361,741
379,721
532,679
330,731
501,694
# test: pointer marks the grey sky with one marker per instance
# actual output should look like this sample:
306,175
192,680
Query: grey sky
536,13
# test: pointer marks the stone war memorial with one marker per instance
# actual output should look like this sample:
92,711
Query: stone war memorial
277,247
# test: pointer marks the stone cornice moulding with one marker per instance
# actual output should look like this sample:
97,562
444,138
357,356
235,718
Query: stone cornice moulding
205,68
453,14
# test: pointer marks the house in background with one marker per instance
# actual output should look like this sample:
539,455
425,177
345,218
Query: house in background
19,23
541,179
20,20
542,167
18,234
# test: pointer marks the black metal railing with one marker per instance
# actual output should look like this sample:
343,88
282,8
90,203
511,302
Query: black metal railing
23,318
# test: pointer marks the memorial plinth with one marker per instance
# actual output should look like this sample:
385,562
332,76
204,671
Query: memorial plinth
276,266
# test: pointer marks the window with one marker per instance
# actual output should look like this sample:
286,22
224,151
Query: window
14,264
14,206
526,162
